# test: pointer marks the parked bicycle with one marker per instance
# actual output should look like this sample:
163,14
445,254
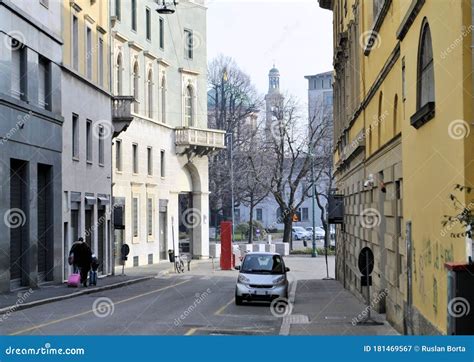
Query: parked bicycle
179,264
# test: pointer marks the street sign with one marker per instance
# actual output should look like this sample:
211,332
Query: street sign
366,261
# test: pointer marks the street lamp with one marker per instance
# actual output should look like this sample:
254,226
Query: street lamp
314,253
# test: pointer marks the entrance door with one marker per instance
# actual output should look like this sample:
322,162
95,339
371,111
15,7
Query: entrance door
187,221
17,223
163,235
45,244
88,226
101,238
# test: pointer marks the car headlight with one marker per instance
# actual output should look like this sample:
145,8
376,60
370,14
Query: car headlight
243,279
279,280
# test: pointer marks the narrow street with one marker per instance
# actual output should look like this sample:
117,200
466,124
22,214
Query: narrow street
200,302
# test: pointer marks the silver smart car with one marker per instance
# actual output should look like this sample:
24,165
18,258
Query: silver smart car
262,277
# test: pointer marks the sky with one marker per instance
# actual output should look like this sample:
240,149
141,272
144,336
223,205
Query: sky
295,34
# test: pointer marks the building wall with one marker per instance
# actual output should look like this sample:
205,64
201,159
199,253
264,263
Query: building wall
30,132
154,126
87,182
373,134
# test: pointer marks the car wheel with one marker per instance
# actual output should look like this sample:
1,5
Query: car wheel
238,300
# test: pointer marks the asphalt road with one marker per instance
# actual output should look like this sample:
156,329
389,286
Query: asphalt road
176,305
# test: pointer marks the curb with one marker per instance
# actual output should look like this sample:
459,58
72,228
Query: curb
18,307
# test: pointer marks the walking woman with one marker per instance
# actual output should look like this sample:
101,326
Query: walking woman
81,256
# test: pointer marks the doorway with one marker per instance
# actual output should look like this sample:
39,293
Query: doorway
17,223
187,219
45,225
163,235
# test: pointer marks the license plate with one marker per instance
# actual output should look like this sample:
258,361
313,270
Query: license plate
260,292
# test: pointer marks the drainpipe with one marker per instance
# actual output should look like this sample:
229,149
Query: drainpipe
111,203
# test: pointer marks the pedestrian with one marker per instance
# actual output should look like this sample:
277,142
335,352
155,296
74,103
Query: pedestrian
94,267
80,256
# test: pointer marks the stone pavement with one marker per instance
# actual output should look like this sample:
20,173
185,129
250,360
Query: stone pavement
324,307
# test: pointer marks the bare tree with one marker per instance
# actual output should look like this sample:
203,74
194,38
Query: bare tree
232,104
253,170
289,141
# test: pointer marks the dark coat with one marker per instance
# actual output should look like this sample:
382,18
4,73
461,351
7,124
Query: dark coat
82,254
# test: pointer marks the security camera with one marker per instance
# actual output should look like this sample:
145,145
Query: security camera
367,183
370,181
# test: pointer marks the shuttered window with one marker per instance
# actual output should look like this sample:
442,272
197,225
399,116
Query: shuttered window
135,217
149,207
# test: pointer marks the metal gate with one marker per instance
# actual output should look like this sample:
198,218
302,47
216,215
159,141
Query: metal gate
45,249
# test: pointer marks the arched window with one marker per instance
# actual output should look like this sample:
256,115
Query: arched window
119,74
135,87
163,99
426,90
379,121
150,94
188,107
395,115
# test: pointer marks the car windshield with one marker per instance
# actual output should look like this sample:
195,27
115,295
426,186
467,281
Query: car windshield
262,264
298,228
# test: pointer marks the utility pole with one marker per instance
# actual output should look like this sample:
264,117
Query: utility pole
230,142
314,253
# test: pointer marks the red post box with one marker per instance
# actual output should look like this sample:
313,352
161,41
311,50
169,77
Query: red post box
226,245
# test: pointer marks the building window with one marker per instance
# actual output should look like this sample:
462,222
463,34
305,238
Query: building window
188,107
118,10
101,144
135,158
100,60
163,100
150,94
135,217
426,90
149,207
75,42
395,115
134,15
119,74
150,161
148,23
89,54
19,72
162,163
135,87
89,141
75,136
162,33
118,155
305,214
377,6
188,44
379,121
259,214
44,83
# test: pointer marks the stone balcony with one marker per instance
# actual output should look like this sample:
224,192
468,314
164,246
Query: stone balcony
198,141
122,113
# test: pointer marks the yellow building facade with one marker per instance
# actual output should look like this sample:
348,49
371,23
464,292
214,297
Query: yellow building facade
403,112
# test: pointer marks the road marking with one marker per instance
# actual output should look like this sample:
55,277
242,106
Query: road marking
221,309
285,323
93,310
191,332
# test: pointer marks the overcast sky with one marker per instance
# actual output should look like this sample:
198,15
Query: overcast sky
297,35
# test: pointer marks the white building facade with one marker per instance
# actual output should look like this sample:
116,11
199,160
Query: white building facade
160,165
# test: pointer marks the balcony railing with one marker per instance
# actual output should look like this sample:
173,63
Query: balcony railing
122,113
199,140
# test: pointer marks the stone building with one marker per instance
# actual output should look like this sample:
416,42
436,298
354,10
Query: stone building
402,85
88,129
160,169
30,144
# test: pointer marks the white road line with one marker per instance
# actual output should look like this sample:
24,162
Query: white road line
285,323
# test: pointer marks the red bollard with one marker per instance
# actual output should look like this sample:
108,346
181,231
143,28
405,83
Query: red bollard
226,245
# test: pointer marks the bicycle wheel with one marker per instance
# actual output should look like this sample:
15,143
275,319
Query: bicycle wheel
181,266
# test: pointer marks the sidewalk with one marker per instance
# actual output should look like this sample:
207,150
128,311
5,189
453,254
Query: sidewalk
52,292
324,307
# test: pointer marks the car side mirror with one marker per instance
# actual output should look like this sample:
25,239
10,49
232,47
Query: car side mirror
287,269
237,267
